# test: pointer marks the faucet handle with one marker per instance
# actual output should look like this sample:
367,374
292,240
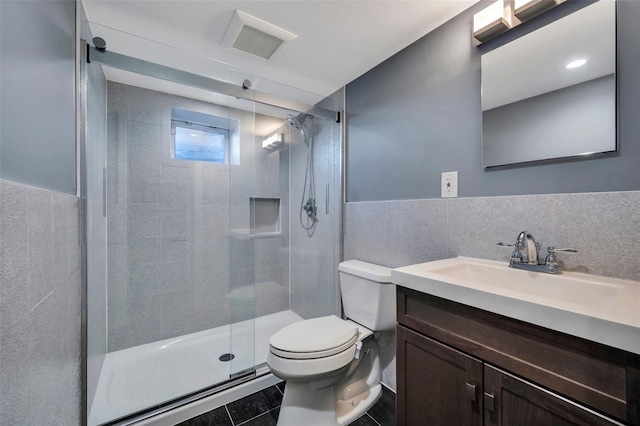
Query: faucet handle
566,250
518,245
550,260
516,256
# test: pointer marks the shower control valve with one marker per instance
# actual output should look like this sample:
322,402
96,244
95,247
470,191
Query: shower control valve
310,208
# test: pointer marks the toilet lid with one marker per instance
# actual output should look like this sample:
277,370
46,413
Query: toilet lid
314,338
377,273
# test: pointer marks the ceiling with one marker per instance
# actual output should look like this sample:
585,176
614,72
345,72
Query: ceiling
337,41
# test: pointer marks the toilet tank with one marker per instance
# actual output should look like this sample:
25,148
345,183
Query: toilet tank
368,296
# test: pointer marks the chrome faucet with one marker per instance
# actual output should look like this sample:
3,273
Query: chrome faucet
526,240
532,250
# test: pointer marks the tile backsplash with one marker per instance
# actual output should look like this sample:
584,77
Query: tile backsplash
40,279
603,227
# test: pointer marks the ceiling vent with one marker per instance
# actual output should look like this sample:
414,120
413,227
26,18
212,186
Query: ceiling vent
255,36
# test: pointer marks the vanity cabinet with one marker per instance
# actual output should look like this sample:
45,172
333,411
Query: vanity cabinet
458,365
434,388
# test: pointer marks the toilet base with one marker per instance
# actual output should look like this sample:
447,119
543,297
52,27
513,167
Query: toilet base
309,403
364,403
303,405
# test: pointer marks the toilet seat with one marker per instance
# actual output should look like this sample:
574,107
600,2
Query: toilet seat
314,338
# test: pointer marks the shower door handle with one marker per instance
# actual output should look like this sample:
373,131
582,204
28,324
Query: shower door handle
326,204
104,191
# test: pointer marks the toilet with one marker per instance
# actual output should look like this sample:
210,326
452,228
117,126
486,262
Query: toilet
332,366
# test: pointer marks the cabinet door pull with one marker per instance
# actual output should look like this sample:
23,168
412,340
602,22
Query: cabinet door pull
471,392
489,402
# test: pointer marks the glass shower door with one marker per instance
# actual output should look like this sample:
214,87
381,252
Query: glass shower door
241,291
178,296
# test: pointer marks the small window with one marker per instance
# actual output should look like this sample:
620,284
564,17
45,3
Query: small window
199,141
196,143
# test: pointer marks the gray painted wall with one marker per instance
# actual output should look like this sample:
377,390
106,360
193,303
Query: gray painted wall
37,79
418,114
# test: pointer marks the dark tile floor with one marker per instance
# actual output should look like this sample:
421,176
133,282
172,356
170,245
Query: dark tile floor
262,408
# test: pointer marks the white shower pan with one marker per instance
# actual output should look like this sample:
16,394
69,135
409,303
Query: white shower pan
140,377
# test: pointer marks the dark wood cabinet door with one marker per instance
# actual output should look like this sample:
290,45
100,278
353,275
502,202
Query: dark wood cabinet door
437,385
509,401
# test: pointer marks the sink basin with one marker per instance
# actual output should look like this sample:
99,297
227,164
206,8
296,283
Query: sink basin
500,278
602,309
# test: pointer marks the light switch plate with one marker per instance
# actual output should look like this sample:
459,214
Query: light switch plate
449,185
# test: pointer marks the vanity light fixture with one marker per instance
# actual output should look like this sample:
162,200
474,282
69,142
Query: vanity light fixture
273,141
577,63
502,15
492,21
527,9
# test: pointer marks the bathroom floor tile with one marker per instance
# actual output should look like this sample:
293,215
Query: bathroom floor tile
365,420
270,418
217,417
262,409
384,411
254,405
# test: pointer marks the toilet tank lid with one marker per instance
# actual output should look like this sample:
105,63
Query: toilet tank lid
367,270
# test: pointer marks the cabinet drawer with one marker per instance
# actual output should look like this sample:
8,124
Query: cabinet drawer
604,378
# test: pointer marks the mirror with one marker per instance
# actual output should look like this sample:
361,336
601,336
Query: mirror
552,93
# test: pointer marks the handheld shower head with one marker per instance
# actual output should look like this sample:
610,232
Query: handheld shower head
293,122
296,122
308,206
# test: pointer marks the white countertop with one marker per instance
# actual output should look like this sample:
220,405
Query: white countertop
600,309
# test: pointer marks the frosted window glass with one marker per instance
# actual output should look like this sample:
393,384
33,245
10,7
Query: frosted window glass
200,145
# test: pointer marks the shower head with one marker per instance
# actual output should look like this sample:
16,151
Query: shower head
297,121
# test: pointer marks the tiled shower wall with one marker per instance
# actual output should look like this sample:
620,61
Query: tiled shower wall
40,278
173,267
603,227
313,259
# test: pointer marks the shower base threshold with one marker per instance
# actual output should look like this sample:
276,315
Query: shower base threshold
140,377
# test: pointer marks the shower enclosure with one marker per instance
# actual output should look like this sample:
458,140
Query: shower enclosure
198,247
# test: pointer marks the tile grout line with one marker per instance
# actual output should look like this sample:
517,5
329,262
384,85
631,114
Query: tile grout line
372,418
229,415
259,415
40,302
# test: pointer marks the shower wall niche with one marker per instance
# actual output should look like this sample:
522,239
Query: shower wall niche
265,216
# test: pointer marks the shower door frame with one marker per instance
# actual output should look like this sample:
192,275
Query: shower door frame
162,72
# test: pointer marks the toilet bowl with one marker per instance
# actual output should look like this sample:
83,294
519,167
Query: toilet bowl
331,366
